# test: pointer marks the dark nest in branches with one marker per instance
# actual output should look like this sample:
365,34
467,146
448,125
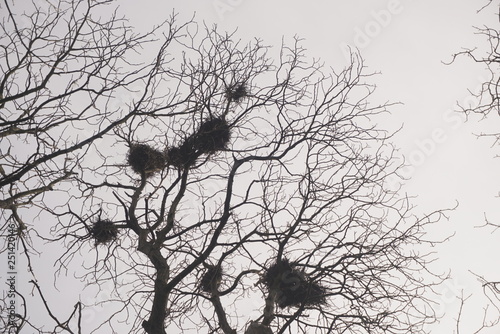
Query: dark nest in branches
212,136
145,159
183,156
237,92
292,287
103,231
211,279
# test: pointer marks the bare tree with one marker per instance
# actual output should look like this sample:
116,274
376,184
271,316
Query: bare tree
488,96
63,72
491,311
487,105
235,190
61,69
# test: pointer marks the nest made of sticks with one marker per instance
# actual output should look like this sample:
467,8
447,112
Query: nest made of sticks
103,231
211,279
145,159
183,156
237,92
256,328
307,293
292,287
213,135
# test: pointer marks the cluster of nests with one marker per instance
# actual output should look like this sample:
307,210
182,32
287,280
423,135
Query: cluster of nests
292,287
212,136
103,231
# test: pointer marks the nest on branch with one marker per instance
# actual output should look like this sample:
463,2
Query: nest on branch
256,328
292,287
237,92
145,159
103,231
212,136
183,156
211,279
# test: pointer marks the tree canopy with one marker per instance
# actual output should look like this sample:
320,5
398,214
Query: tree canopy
219,186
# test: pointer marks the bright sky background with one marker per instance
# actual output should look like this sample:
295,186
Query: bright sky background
407,42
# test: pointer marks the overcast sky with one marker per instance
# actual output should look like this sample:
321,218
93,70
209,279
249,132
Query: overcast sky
407,42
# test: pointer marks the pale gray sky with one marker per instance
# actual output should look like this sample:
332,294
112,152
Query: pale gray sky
406,41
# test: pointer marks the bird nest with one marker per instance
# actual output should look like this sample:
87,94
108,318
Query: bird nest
237,92
103,231
183,156
213,135
293,287
256,328
145,159
211,279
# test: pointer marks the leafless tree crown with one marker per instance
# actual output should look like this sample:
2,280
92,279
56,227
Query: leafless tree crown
221,186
